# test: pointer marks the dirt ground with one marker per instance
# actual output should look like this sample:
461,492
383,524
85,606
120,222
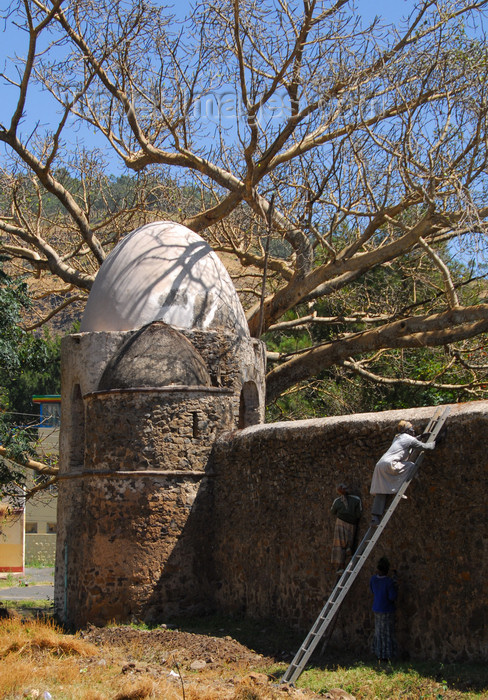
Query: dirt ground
169,646
221,661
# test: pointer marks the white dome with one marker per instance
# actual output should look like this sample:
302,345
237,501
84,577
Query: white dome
163,272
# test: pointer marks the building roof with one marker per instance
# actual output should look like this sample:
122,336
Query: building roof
163,271
46,398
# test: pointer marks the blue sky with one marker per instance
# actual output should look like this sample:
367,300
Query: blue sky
40,106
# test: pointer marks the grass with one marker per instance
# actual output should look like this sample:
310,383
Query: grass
37,656
419,681
20,580
9,581
30,608
23,605
39,563
365,679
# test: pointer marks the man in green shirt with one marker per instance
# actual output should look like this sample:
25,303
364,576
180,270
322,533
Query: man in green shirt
347,508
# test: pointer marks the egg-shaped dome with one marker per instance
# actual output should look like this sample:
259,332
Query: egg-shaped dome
155,356
163,271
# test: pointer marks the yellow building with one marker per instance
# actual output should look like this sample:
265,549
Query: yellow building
40,512
11,539
28,535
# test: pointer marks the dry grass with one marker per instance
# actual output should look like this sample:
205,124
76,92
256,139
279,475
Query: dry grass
139,691
123,663
17,637
36,656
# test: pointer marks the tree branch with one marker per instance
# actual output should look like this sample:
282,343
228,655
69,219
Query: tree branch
414,332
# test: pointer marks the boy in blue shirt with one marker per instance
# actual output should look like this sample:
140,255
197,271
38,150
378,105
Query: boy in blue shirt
385,590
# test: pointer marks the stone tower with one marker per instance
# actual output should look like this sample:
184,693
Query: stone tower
162,366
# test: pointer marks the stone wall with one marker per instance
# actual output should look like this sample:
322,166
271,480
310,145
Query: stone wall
170,510
131,461
125,550
135,558
272,531
171,428
40,549
233,362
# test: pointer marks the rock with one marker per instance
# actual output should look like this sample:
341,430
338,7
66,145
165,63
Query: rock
198,664
338,694
258,678
128,667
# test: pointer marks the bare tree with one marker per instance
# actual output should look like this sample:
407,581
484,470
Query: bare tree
372,139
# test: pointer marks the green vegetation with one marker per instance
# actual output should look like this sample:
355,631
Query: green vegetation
28,365
28,607
419,680
38,563
380,380
364,678
9,581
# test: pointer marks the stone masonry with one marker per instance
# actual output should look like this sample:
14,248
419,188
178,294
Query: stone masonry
175,498
133,460
272,529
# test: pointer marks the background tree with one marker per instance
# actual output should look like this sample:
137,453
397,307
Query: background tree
379,380
28,364
372,140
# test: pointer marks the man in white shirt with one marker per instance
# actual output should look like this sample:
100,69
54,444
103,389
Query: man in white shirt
393,468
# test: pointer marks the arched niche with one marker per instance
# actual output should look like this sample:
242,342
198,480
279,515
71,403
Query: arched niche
249,413
77,432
